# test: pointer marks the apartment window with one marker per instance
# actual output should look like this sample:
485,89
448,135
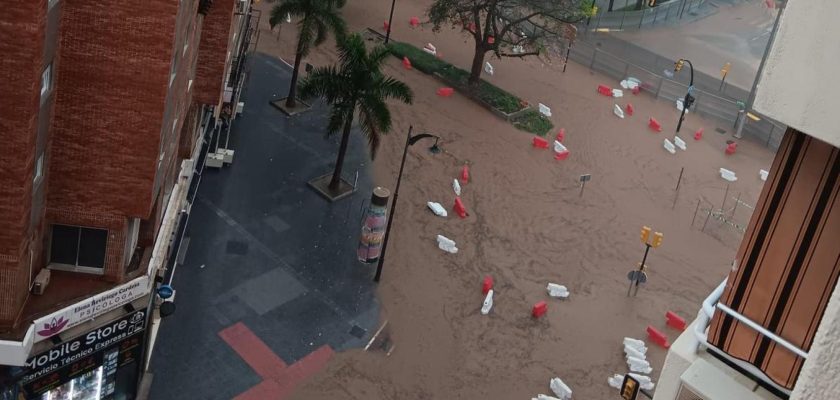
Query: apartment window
39,169
78,249
46,81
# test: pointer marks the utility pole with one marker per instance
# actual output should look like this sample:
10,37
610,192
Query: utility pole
739,128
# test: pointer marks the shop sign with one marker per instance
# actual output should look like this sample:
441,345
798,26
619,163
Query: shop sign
81,347
90,308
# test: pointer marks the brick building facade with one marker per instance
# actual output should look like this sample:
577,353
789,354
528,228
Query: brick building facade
105,103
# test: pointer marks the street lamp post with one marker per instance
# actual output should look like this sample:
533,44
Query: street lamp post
390,21
409,141
689,99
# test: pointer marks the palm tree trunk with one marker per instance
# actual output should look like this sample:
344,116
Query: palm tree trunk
477,65
335,183
290,99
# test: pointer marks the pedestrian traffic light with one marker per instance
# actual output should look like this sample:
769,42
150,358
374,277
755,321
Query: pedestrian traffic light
679,65
645,234
689,100
657,239
651,3
629,388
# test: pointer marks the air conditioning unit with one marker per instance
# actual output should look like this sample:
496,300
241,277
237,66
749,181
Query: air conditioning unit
41,282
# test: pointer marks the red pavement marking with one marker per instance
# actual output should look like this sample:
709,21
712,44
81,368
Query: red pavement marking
279,380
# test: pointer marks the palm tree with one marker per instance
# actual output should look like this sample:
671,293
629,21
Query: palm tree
318,18
356,86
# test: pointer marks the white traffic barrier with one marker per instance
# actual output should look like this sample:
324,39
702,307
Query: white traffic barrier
544,110
488,303
558,147
669,146
763,174
636,344
488,68
617,93
430,48
437,209
456,187
446,244
728,175
679,143
639,365
560,389
616,381
631,352
545,397
645,381
555,290
618,111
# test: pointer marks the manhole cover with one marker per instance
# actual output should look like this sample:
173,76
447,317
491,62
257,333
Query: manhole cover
357,331
720,130
235,247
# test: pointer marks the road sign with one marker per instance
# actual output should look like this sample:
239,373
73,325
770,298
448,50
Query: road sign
165,291
629,388
639,276
585,178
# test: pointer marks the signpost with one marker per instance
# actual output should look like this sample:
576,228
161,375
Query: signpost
583,179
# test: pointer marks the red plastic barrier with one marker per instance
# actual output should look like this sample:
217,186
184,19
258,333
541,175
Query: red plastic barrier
459,208
539,309
698,134
731,147
487,284
491,40
471,27
637,89
675,321
561,155
561,135
406,63
445,91
414,22
465,174
654,124
657,337
630,109
605,90
385,26
540,143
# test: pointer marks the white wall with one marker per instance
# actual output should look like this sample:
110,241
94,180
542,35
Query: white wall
820,376
800,84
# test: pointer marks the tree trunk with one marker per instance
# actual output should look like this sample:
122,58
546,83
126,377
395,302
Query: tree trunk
477,65
335,183
290,99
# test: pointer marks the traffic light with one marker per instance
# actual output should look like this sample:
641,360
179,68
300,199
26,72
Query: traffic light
657,239
679,64
651,3
629,388
645,234
689,100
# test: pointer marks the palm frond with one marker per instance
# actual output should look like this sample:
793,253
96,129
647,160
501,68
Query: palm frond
369,124
327,83
296,8
390,88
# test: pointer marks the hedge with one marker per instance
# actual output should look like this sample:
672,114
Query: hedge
496,97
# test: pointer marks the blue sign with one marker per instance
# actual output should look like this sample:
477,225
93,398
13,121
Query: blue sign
165,291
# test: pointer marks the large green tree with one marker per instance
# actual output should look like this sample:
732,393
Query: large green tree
509,28
317,19
356,87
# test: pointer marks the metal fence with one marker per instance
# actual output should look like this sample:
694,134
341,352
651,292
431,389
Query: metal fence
709,103
664,13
